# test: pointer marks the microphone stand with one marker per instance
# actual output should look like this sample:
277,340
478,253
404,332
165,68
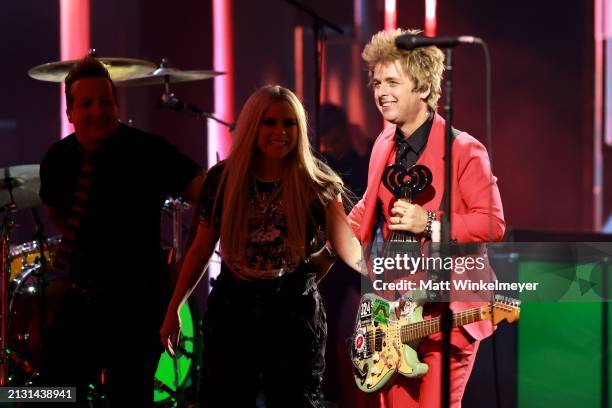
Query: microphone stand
446,319
171,101
318,27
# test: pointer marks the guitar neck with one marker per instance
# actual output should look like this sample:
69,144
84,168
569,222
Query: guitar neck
418,330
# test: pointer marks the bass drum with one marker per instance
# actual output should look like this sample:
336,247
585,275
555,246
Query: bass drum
177,378
25,323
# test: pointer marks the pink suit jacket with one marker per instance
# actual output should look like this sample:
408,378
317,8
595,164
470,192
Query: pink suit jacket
476,208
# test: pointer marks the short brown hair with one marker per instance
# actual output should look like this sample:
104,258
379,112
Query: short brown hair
88,67
424,65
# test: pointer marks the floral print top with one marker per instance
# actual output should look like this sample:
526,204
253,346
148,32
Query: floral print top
267,254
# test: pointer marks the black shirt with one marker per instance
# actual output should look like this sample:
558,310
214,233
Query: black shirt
409,149
118,240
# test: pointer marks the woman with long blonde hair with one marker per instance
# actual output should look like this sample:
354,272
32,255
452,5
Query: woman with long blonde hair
265,326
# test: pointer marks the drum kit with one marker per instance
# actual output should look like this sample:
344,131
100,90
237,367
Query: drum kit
26,295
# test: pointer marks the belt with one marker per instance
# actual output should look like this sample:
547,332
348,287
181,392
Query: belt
299,282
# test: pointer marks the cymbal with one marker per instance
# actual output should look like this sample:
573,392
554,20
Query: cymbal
118,68
25,182
163,75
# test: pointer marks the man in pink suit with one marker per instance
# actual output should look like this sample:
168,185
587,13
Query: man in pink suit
406,87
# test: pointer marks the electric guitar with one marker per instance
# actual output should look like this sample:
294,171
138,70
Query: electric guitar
387,334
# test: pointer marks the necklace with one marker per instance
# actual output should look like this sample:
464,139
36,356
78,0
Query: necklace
263,199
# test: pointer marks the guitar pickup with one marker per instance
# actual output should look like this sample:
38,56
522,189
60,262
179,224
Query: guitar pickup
378,340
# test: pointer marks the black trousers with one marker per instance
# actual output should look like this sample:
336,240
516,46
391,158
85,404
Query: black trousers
91,335
264,341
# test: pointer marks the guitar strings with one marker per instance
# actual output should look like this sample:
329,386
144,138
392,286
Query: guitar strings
413,330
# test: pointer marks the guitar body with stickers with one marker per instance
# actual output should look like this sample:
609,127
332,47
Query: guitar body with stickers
387,334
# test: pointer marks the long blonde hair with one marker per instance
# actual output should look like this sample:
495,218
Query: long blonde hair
303,179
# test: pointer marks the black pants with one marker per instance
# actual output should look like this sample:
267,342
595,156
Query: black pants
91,335
264,340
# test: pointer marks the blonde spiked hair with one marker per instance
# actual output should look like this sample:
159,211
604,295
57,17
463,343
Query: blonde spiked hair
303,179
424,65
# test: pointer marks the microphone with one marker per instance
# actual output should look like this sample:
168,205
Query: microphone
409,41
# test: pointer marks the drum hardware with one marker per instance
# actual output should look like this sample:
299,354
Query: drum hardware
176,206
8,223
175,395
42,274
27,256
118,68
165,75
27,310
177,378
19,185
170,101
22,364
25,322
21,280
180,348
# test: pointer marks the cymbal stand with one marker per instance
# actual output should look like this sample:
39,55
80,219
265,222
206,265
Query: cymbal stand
176,206
43,273
5,231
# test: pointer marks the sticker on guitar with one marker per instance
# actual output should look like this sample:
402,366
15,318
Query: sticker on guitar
365,312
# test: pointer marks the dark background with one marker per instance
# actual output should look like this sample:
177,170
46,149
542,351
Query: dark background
542,57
